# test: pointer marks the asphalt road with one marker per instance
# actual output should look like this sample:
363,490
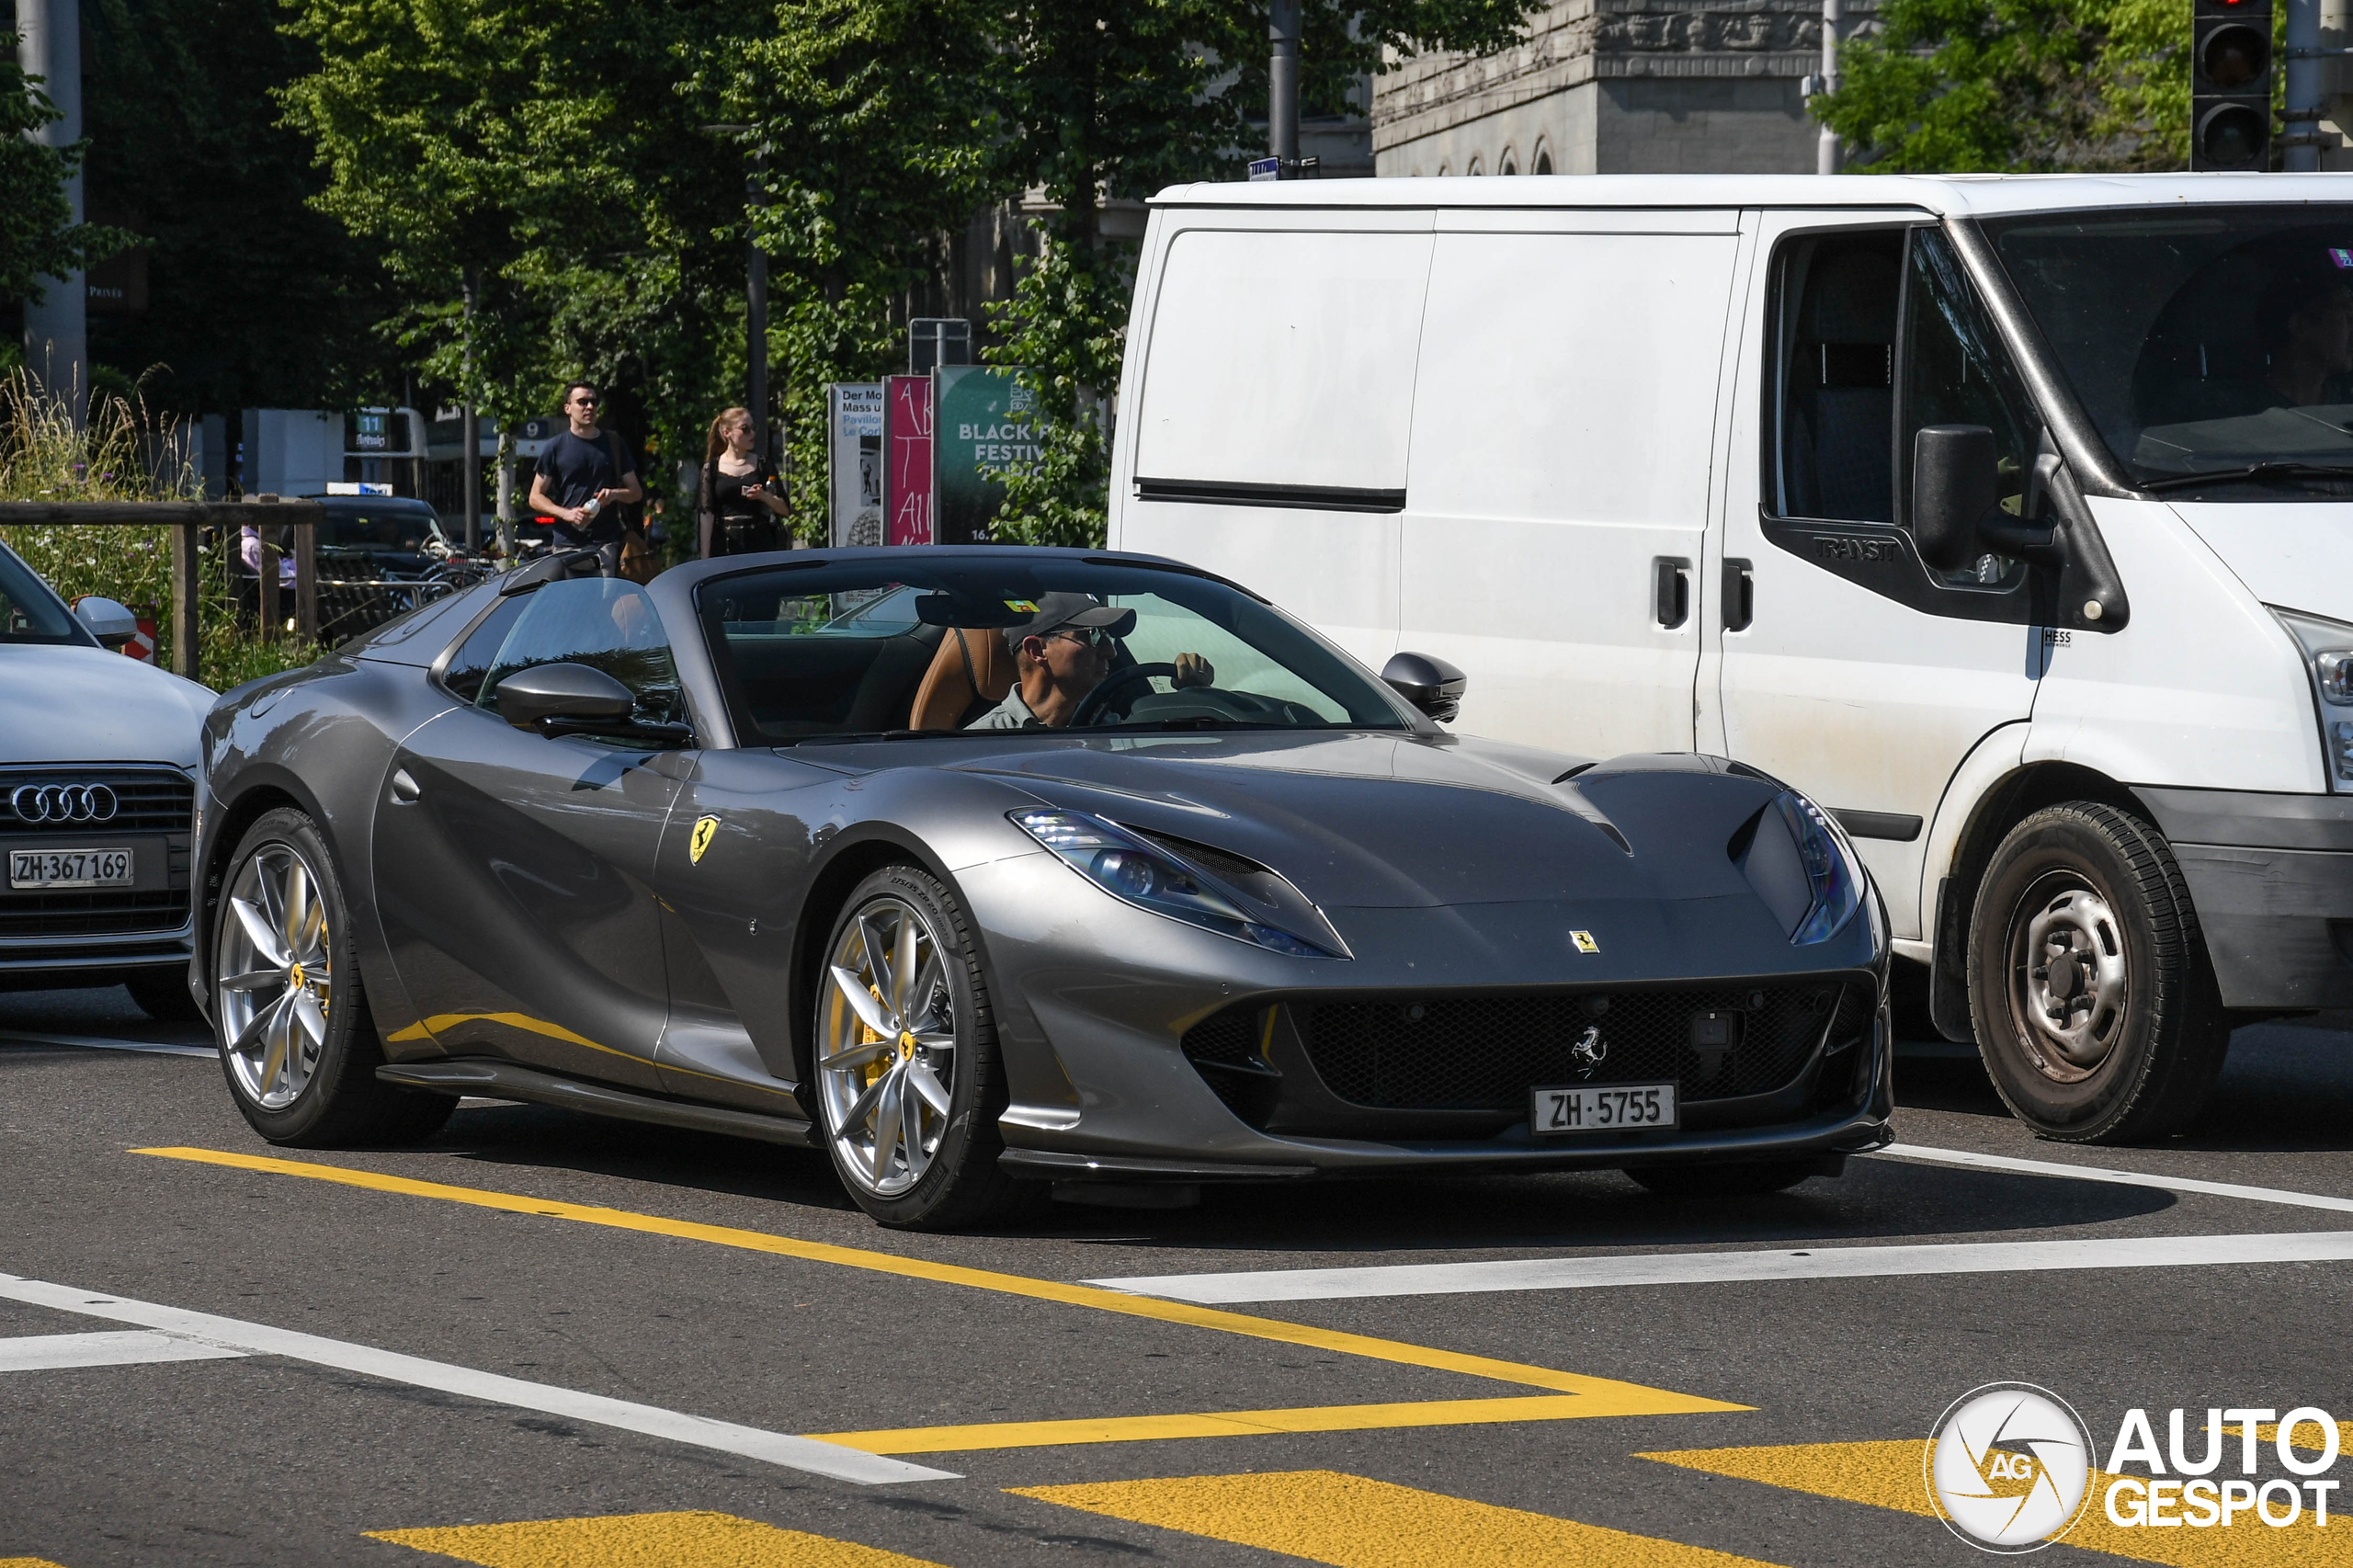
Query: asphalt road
545,1340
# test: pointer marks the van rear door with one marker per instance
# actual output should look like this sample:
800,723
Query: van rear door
1270,433
1563,422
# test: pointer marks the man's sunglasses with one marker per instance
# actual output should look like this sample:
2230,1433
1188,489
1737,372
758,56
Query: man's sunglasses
1086,636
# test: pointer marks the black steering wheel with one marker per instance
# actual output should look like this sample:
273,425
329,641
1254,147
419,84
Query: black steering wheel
1090,707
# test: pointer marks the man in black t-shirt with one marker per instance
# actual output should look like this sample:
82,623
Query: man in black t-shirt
581,465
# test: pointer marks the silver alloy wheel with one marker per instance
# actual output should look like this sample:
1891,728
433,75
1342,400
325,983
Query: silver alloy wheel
886,1066
2069,985
273,976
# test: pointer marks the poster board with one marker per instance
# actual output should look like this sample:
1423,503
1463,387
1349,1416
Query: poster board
853,457
908,499
985,420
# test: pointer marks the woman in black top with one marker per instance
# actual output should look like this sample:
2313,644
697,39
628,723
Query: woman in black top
740,504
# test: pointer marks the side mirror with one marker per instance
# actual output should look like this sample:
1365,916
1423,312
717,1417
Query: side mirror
1954,486
1429,684
564,699
112,624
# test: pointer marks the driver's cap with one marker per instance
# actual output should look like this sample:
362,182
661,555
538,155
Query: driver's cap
1058,610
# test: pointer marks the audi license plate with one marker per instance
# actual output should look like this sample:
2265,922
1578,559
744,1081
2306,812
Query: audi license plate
1603,1107
69,868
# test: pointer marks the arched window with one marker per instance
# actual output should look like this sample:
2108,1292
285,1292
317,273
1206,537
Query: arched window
1509,164
1443,171
1544,160
1474,170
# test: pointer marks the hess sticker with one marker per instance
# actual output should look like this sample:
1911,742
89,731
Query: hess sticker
704,828
1584,942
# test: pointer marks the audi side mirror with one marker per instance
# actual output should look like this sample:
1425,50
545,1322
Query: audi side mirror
111,623
1428,683
1954,485
564,699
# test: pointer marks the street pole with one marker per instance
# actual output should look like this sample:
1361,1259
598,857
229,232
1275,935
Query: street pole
470,431
1827,154
57,339
1282,79
2301,111
755,313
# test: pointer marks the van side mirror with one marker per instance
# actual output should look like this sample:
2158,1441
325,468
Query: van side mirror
1429,684
1954,486
111,623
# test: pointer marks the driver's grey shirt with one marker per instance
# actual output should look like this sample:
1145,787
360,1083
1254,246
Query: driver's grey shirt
1010,714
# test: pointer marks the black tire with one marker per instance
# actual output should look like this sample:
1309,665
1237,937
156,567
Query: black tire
2095,1003
341,1103
162,995
1748,1178
962,1183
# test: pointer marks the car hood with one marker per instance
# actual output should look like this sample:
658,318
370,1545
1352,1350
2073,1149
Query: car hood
66,704
1386,821
2295,554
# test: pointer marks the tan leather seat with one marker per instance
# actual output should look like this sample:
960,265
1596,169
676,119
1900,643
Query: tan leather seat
972,668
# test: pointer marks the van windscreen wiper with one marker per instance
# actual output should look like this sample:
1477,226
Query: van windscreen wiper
2254,473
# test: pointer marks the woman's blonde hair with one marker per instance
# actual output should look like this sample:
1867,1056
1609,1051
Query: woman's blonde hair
718,443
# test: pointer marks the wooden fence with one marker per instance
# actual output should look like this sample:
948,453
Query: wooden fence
272,517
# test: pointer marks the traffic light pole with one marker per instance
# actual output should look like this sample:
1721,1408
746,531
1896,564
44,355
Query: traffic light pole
2301,111
1282,79
1828,157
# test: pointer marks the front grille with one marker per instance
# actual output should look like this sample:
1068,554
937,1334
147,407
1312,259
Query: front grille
147,800
91,914
1485,1053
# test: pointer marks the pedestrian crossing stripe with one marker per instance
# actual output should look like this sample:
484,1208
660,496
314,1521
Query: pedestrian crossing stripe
1351,1521
642,1540
1891,1475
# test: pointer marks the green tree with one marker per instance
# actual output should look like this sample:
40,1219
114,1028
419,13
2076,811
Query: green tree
38,235
2016,86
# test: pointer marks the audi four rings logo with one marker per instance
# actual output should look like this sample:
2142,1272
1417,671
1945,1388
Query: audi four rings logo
62,802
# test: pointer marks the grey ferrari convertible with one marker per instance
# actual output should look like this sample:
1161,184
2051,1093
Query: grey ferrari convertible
991,866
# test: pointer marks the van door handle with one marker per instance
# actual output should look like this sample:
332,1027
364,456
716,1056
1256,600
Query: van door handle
405,789
1670,591
1740,596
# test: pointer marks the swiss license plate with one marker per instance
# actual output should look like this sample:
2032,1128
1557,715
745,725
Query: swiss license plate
1602,1107
69,868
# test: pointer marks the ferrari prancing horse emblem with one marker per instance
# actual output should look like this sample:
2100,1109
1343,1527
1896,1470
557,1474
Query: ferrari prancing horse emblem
1582,940
704,828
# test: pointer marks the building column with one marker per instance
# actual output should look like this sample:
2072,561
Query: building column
57,342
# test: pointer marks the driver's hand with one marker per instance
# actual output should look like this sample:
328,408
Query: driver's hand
1194,670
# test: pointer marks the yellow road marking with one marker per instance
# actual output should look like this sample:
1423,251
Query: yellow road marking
1328,1517
1889,1475
1627,1399
26,1562
1236,1423
644,1540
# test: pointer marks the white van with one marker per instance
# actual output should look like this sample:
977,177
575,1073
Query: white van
2011,518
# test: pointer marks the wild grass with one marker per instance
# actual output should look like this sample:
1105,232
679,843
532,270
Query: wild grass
123,451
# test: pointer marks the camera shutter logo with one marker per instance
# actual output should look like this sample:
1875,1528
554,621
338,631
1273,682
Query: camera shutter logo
62,802
2009,1467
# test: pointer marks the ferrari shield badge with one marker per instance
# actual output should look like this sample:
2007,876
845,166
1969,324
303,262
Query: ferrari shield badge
704,828
1582,940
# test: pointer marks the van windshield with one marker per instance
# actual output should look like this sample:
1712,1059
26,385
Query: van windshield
2212,345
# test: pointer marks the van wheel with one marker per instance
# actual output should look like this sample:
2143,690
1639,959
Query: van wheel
2095,1004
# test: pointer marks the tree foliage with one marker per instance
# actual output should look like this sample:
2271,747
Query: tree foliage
38,235
2016,86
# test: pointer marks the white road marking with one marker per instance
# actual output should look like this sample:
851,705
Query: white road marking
2103,1173
125,1347
1723,1268
260,1339
94,1043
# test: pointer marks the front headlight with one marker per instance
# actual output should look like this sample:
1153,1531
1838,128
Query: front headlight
1153,878
1802,866
2327,647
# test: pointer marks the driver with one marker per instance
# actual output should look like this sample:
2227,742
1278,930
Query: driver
2304,321
1061,652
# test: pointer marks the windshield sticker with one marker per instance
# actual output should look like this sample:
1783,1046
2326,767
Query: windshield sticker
2342,257
1027,607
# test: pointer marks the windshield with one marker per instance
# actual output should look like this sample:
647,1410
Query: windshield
2200,339
1018,645
387,525
29,611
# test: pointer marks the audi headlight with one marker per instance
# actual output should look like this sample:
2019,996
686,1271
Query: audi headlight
1802,866
1154,878
2327,648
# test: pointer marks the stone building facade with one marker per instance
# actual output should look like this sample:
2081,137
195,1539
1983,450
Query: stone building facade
1617,86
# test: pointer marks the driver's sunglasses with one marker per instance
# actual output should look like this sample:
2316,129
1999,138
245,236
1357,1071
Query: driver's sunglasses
1096,637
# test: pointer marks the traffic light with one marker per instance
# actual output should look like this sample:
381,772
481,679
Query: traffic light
2230,85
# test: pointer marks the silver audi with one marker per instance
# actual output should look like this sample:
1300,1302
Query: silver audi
97,799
